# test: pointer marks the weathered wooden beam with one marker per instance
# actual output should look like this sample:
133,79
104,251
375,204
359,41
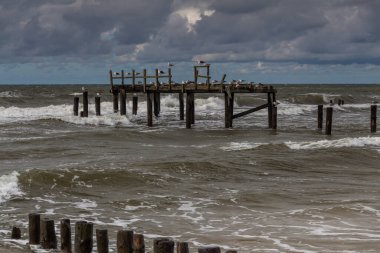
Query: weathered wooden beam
135,100
66,246
181,106
182,247
329,114
241,114
188,109
163,245
170,78
16,233
102,240
373,118
138,243
320,117
115,95
76,106
123,102
156,103
270,110
34,228
192,108
48,238
227,113
83,237
85,103
149,108
144,90
97,105
124,241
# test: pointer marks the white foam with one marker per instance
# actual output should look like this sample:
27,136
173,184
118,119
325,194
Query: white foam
236,146
9,186
340,143
9,94
85,204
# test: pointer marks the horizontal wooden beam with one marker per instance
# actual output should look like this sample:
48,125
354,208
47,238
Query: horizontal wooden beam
250,111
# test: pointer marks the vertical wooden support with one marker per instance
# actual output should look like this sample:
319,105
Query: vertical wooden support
16,233
192,108
182,247
102,240
231,251
135,104
115,95
163,245
97,105
270,110
48,239
66,236
83,237
188,109
320,117
274,117
124,242
76,106
170,78
138,243
133,79
144,80
208,76
85,103
181,106
231,110
34,228
157,103
122,79
195,78
157,80
149,108
329,113
123,102
226,111
373,118
209,250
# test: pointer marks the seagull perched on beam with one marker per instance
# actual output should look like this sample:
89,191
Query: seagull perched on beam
161,72
116,73
170,65
201,62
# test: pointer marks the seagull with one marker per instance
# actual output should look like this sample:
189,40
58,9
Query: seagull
170,65
241,81
116,73
83,89
97,94
137,73
201,62
128,74
161,72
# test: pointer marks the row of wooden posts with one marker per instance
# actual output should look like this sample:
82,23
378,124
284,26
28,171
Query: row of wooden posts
42,232
154,107
329,117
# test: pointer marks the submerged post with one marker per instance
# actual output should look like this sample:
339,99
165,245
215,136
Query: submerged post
66,236
135,104
76,106
85,103
226,111
182,247
16,233
115,96
34,228
181,106
123,102
149,108
48,239
270,110
83,237
274,116
124,241
188,109
209,250
192,100
373,118
163,245
320,116
102,240
156,102
97,105
329,113
138,243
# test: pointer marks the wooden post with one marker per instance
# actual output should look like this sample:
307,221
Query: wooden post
231,251
192,108
16,233
149,108
133,79
138,243
182,247
373,118
122,79
231,109
66,236
48,239
320,116
195,78
181,106
226,111
123,102
270,110
115,94
34,228
135,104
170,78
157,103
76,106
97,105
102,240
157,80
163,245
124,241
209,250
83,237
208,76
329,113
274,117
188,109
85,103
144,80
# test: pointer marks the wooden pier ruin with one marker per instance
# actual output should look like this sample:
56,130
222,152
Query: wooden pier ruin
160,82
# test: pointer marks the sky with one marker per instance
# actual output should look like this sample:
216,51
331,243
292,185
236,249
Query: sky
267,41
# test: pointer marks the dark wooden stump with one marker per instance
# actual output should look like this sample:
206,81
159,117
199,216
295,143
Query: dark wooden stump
83,237
226,111
76,106
231,110
102,240
181,106
48,239
329,113
16,233
231,251
138,243
320,117
209,250
85,103
157,103
123,102
373,118
192,108
182,247
115,96
66,246
270,110
135,104
124,241
274,117
188,110
34,228
97,105
163,245
149,108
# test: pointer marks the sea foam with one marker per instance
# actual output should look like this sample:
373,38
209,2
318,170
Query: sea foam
339,143
9,186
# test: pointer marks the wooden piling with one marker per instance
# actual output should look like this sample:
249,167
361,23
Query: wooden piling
138,243
48,238
181,106
85,103
182,247
135,104
123,102
157,103
231,109
274,117
226,111
231,251
373,118
115,96
124,242
192,100
270,110
16,233
66,236
163,245
34,228
97,105
188,110
83,237
149,108
209,250
76,106
102,240
329,113
320,116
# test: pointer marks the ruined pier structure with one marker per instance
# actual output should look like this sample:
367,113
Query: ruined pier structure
153,86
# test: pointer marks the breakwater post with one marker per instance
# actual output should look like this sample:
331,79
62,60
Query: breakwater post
66,246
149,108
135,100
138,243
124,241
181,106
102,240
76,106
85,103
123,102
97,104
48,238
163,245
329,114
182,247
16,233
34,228
373,118
209,250
320,116
83,237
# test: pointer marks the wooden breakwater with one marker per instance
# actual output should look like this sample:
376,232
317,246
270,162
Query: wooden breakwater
41,231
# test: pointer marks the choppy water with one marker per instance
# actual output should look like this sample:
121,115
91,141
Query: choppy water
248,188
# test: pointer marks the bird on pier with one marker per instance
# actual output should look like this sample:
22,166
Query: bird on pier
161,72
116,73
137,73
170,65
200,62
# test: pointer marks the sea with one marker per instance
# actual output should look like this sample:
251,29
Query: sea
248,188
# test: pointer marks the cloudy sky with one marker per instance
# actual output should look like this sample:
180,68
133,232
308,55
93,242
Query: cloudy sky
268,41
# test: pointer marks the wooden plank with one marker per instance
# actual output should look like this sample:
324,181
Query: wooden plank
238,115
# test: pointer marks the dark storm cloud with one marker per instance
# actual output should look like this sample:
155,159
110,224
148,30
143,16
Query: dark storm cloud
305,31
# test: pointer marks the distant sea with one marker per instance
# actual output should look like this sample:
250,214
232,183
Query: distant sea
248,188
